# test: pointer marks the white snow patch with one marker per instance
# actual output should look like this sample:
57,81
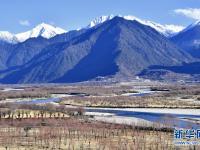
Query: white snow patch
8,37
167,30
44,30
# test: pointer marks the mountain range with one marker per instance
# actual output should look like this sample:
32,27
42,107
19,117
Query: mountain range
110,46
49,31
43,30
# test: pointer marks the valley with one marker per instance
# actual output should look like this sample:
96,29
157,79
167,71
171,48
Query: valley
128,46
118,83
84,115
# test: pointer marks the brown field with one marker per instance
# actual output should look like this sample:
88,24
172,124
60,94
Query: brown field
69,133
129,102
55,126
167,95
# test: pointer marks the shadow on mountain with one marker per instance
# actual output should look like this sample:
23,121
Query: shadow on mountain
99,62
186,68
117,46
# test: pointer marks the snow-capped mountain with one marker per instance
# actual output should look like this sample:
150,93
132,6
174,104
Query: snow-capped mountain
8,37
125,57
49,31
167,30
44,30
99,20
189,39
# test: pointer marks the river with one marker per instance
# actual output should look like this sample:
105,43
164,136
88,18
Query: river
181,118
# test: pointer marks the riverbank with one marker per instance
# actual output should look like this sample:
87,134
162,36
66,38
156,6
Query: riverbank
158,118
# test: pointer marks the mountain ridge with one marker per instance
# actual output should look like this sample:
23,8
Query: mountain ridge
167,30
189,39
49,31
44,30
118,46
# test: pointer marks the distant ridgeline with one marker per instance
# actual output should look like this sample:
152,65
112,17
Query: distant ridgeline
116,47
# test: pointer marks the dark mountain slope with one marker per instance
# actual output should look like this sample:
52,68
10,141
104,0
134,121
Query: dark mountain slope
189,40
100,61
127,48
5,51
53,61
117,46
186,68
65,37
24,52
18,54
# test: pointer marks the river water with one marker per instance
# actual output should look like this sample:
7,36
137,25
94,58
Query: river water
172,119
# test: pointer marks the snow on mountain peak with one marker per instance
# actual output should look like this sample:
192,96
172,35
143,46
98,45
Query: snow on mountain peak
6,36
167,30
48,31
43,29
99,20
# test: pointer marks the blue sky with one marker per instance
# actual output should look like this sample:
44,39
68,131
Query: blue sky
21,15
